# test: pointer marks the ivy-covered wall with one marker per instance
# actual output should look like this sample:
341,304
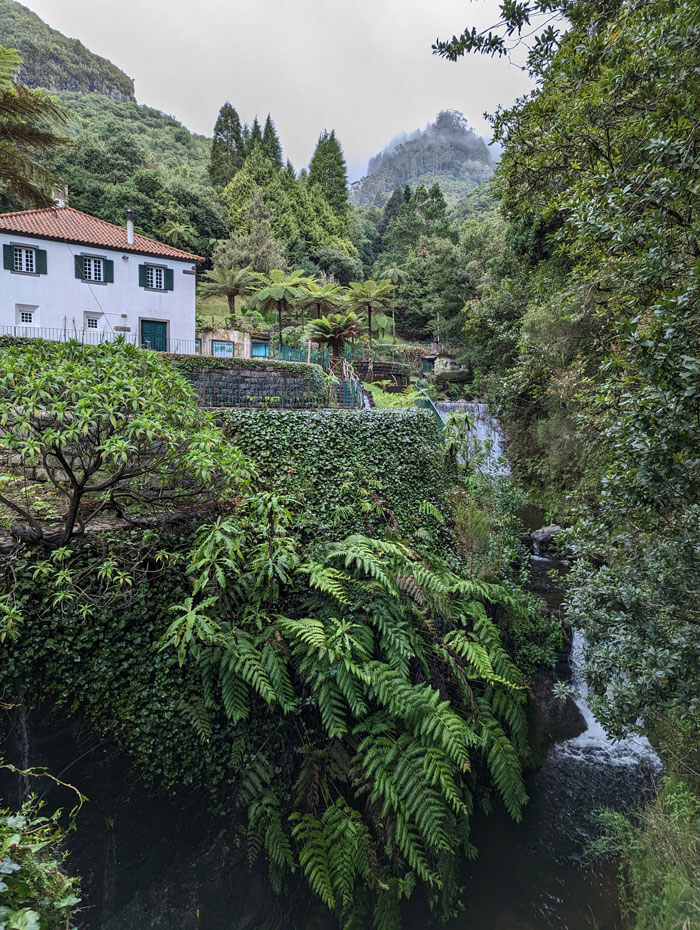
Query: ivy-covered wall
338,459
109,669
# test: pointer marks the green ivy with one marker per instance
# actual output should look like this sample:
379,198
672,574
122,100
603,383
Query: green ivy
333,459
185,363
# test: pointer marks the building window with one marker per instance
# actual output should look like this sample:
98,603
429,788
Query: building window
222,349
26,317
24,260
259,348
93,269
155,277
91,322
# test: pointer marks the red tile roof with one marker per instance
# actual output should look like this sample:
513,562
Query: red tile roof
70,225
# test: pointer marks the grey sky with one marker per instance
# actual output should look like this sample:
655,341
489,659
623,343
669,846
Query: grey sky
363,68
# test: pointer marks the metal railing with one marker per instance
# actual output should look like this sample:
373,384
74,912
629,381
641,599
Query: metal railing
96,337
317,356
425,403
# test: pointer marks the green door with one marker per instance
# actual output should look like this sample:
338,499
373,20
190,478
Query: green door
154,335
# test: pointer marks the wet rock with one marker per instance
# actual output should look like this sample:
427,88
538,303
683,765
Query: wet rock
149,860
544,536
552,720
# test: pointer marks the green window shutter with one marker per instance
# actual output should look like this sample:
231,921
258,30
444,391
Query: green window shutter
108,271
169,282
40,264
143,280
8,258
79,266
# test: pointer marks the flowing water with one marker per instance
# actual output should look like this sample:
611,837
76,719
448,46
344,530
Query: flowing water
483,434
534,876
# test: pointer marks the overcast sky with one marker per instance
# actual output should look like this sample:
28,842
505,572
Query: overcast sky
361,67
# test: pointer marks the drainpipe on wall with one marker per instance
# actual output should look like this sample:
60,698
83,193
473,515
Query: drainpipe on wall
129,227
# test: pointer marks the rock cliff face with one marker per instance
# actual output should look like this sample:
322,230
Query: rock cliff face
148,860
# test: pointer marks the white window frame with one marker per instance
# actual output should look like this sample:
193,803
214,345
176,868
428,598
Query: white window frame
155,277
23,259
92,321
93,269
26,315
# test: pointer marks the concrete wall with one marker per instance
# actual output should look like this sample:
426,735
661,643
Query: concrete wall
240,342
62,301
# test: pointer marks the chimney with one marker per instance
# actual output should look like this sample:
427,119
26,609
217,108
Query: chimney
59,195
129,227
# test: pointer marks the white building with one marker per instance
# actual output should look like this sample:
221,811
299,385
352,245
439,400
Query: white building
65,273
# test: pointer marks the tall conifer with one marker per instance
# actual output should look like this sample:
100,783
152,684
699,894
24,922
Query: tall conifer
271,144
227,146
328,170
254,138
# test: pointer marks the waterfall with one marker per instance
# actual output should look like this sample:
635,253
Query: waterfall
485,438
594,744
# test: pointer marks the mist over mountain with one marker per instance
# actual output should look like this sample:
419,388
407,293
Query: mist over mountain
446,151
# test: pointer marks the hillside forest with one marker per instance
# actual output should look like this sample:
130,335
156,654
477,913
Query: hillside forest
344,655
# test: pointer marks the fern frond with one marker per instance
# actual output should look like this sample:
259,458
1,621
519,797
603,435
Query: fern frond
428,509
255,777
329,581
504,767
314,856
197,714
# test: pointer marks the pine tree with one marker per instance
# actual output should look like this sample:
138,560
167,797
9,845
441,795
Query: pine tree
271,144
254,137
392,209
328,170
227,146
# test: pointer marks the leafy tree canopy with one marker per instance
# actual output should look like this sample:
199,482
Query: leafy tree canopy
115,433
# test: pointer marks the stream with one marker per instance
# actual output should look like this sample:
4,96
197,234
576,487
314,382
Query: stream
533,876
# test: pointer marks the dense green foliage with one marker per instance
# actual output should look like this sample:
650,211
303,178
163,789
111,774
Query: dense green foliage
52,61
28,124
587,338
35,894
336,684
111,430
324,458
447,152
227,153
327,169
589,334
659,846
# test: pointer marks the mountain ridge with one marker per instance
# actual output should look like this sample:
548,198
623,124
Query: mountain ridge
56,62
447,151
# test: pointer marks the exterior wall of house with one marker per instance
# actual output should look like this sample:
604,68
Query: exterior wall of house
63,302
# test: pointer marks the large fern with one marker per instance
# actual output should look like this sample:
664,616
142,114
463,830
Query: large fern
365,691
